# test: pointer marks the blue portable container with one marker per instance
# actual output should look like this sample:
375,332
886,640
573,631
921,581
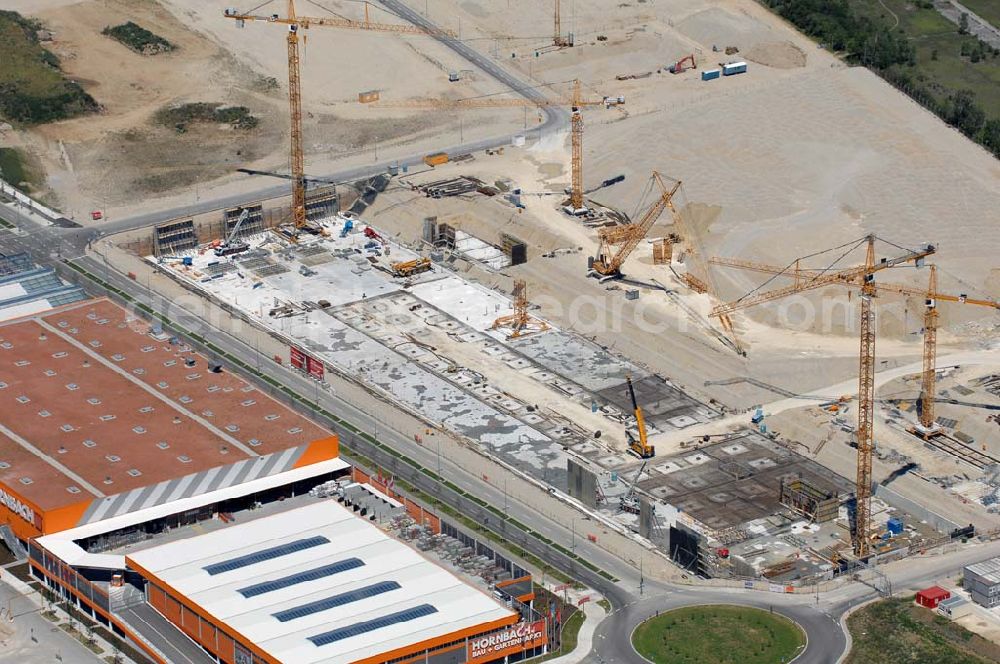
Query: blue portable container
895,525
709,74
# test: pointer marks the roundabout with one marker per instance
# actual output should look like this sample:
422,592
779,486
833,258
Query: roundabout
718,633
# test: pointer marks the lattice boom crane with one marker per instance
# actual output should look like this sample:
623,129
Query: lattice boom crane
863,276
617,242
295,23
931,297
576,103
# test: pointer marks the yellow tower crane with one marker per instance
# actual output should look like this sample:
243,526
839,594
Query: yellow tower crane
558,39
520,323
576,103
928,382
862,276
296,23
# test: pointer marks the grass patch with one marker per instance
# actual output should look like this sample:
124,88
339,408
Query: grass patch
138,39
988,10
954,75
16,169
32,88
897,630
180,117
721,634
604,604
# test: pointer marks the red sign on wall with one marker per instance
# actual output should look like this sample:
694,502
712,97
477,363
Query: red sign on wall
316,369
515,638
298,358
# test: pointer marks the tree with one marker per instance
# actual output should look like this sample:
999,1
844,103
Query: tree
964,114
934,54
991,136
963,24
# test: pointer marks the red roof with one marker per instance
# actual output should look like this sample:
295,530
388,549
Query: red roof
934,593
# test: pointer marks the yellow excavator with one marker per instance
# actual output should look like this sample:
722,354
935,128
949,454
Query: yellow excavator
639,446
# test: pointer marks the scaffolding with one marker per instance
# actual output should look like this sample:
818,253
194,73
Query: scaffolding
812,502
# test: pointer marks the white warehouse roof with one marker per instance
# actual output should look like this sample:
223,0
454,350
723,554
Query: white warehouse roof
319,585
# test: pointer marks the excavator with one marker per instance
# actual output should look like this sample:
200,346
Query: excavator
639,446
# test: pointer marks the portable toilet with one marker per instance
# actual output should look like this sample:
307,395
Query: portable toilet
895,525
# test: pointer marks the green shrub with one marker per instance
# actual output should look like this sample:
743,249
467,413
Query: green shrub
138,38
32,89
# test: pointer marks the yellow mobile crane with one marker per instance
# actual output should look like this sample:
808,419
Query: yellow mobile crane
639,446
296,23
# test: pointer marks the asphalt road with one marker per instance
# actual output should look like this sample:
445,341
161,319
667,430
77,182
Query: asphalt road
613,645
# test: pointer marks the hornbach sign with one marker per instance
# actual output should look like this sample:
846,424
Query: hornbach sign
521,636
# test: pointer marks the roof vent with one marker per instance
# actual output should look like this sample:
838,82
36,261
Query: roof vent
108,480
73,489
41,336
62,449
27,480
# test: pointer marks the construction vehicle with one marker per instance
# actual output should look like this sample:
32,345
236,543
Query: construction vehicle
520,322
862,276
229,245
347,227
186,261
296,23
575,204
410,268
617,242
927,427
639,446
679,68
436,159
630,500
373,234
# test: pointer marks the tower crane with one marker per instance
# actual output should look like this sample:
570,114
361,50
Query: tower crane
931,295
296,23
617,242
862,276
520,323
558,40
576,103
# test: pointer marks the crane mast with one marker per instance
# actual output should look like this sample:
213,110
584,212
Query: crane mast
863,276
866,408
576,104
576,140
927,382
931,297
297,154
296,23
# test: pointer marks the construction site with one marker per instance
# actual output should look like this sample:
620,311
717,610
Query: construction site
687,291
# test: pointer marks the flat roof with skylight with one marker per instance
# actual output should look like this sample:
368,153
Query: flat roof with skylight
318,585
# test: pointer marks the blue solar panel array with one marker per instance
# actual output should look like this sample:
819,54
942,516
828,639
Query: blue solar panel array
301,577
266,554
336,600
357,629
